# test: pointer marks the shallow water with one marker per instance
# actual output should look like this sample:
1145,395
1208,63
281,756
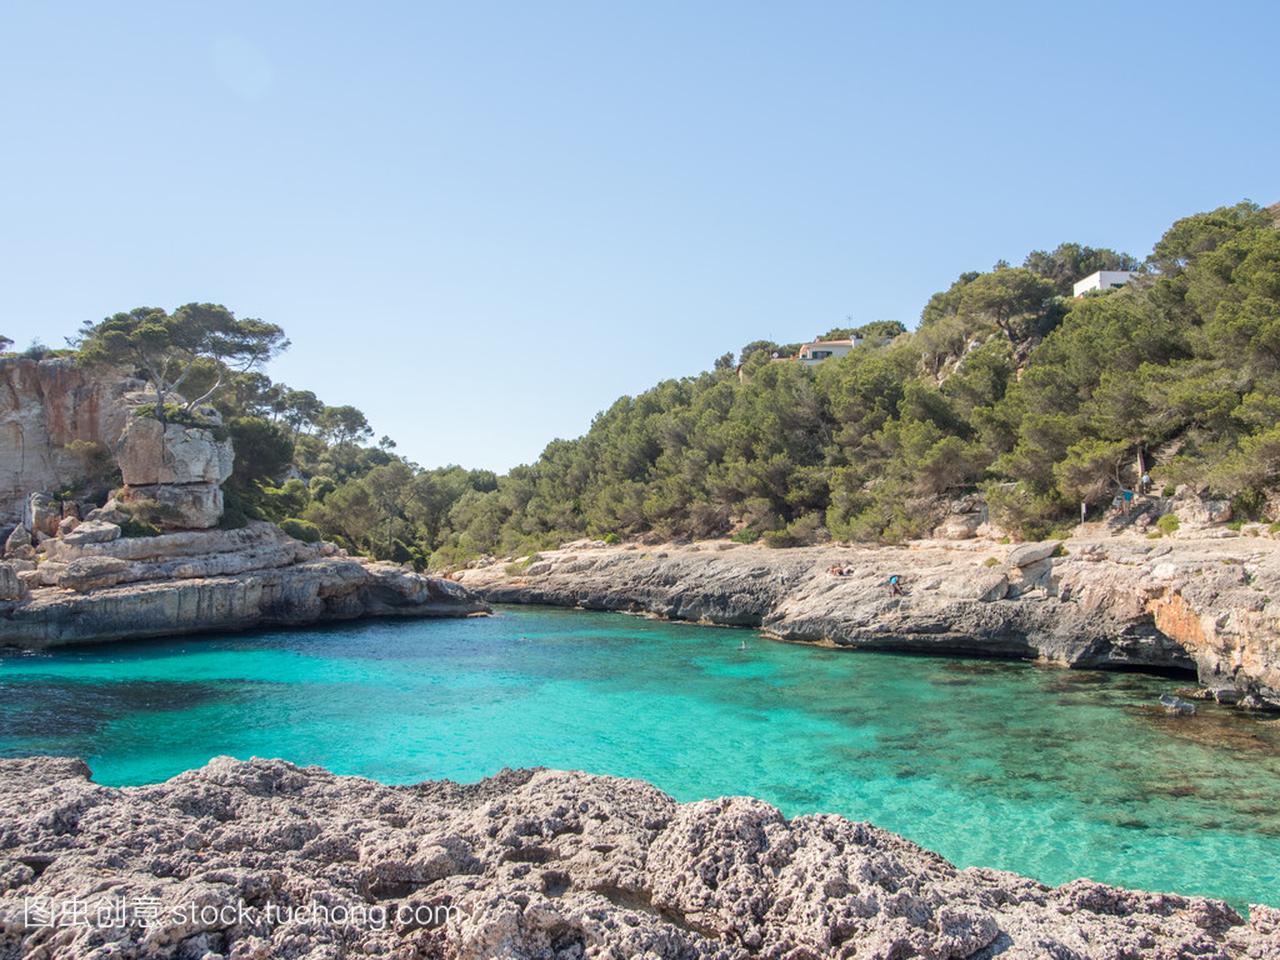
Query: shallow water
1051,773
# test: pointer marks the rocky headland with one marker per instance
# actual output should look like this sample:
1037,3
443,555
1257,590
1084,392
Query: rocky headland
200,581
1197,603
262,859
154,558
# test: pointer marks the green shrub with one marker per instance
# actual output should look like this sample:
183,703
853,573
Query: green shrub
174,413
303,530
451,557
518,567
1169,523
798,533
991,562
1248,505
137,528
1154,535
611,538
152,512
746,535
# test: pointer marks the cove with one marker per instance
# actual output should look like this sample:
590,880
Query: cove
1051,773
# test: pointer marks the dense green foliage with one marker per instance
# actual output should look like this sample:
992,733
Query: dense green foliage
200,343
1007,389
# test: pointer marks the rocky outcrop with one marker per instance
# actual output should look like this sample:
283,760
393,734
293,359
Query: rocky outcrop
1182,604
262,859
11,585
151,453
197,581
175,471
50,411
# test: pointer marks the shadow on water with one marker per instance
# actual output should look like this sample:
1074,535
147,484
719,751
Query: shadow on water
31,709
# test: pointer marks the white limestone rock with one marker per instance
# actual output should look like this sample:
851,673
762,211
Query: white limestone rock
150,453
189,506
92,573
11,585
90,531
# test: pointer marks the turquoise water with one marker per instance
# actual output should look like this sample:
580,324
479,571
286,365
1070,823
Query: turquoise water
1052,773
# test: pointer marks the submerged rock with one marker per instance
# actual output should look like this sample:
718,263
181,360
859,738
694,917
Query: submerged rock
281,861
1177,705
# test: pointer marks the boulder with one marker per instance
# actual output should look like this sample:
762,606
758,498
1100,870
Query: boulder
959,526
1193,510
151,452
18,543
11,585
192,506
1026,554
93,573
985,585
110,512
92,531
46,574
1177,705
66,525
42,514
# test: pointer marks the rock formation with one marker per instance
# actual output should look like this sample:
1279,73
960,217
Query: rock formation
261,859
64,580
95,585
1181,604
50,411
177,468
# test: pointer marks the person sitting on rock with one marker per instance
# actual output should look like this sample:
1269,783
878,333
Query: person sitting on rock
895,586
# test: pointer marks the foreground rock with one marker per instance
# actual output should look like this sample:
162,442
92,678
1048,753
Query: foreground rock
262,859
107,587
1182,604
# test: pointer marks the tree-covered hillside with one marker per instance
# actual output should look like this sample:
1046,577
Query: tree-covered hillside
1008,388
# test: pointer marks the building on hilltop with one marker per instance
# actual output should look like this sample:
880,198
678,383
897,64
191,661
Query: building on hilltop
818,350
1102,280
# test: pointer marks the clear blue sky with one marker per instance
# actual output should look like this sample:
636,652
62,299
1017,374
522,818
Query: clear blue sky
482,222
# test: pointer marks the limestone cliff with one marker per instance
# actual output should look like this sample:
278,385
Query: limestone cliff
45,407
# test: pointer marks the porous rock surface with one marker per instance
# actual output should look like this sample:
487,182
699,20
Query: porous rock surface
1193,603
262,859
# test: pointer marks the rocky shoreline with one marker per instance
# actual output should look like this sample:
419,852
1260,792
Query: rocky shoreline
262,859
199,581
1199,605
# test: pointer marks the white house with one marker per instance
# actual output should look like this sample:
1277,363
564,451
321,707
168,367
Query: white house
1102,280
819,350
